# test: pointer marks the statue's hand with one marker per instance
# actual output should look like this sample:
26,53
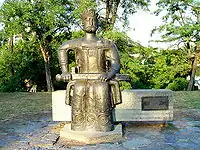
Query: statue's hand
66,76
105,77
63,77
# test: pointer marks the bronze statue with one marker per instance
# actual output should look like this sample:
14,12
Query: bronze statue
93,89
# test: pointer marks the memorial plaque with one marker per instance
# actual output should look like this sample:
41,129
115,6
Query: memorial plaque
155,103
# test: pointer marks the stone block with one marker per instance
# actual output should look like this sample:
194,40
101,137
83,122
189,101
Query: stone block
60,111
90,137
131,107
138,115
129,110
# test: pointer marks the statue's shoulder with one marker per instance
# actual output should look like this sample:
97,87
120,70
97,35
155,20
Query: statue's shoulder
71,43
106,41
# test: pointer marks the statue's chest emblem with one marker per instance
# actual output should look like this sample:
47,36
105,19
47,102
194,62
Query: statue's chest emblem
92,53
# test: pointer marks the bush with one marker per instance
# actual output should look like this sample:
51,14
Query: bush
125,85
13,84
178,84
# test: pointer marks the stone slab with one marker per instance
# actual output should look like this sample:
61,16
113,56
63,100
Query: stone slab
60,111
131,107
129,110
138,115
131,99
90,137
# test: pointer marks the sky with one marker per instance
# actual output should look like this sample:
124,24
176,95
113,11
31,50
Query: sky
1,1
141,24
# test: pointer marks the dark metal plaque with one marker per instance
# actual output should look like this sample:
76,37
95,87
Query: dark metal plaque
155,103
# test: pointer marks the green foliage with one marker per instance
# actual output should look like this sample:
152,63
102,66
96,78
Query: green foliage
179,84
125,85
45,17
14,83
148,67
77,34
82,5
48,22
181,24
42,23
129,64
181,20
26,64
123,44
170,64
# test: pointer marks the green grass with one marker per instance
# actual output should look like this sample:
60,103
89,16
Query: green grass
187,99
14,105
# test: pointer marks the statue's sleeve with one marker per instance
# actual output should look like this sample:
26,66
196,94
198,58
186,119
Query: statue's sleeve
114,60
62,57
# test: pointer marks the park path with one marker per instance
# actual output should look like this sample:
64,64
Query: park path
39,132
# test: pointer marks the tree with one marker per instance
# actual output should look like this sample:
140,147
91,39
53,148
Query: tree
170,68
181,23
109,10
149,67
42,20
27,63
136,60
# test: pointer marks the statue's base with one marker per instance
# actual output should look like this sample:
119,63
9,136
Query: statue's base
69,137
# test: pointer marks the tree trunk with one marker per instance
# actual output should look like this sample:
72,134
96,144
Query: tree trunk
50,87
46,58
192,76
108,6
10,43
114,13
188,48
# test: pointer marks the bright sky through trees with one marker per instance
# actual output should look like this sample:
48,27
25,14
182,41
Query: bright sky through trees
141,24
1,1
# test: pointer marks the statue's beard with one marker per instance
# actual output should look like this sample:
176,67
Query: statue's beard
90,29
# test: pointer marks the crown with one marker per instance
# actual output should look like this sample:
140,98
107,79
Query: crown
89,12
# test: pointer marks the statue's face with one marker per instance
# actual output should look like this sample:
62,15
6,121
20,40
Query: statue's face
90,24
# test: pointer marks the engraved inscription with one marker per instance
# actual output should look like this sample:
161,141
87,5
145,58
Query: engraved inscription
155,103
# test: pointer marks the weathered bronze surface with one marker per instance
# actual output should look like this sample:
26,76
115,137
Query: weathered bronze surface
93,88
155,103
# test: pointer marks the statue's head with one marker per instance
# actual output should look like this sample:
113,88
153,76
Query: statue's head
89,20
